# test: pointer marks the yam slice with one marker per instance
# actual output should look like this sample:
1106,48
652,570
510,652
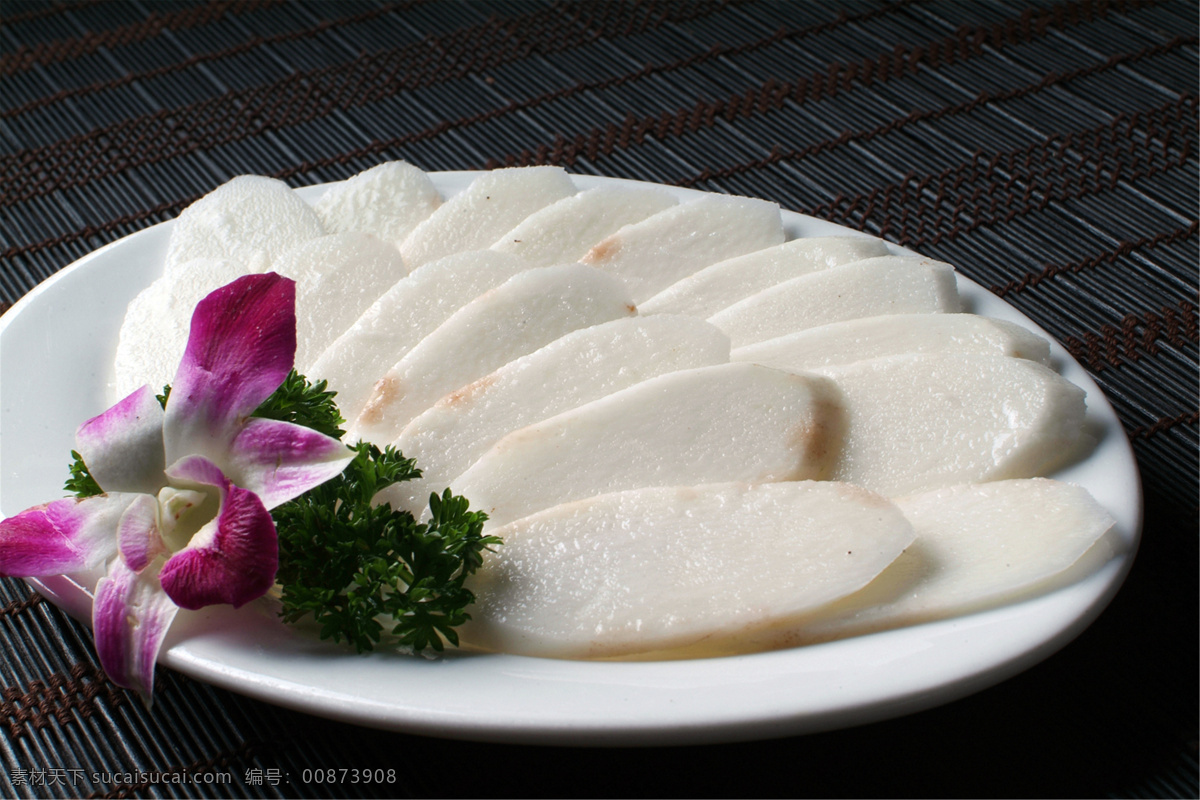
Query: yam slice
732,422
563,232
386,201
404,315
895,334
487,209
722,284
658,251
582,366
337,277
526,312
249,220
652,568
977,546
868,288
920,422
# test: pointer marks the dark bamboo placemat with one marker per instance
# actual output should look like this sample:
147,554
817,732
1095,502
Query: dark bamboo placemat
1048,150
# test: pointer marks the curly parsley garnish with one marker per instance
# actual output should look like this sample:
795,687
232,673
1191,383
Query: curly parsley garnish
308,404
362,571
81,483
349,564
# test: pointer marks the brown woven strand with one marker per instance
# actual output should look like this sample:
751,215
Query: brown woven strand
1165,424
1111,346
18,606
253,43
772,95
1122,249
59,697
612,139
26,57
300,97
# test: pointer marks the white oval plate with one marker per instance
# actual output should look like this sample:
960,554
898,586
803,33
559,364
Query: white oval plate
56,351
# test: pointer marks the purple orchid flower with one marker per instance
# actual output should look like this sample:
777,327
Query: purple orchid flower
185,519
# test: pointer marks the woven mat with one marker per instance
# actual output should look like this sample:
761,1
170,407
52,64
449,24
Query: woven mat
1047,150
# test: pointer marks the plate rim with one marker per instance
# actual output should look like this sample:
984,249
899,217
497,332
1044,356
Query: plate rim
202,655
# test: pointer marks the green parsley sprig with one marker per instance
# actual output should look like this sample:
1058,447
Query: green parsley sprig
81,483
308,404
351,564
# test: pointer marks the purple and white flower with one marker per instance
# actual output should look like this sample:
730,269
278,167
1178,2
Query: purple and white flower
185,518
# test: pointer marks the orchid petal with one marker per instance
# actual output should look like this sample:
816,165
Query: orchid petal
123,447
62,536
279,461
241,347
138,538
130,618
234,557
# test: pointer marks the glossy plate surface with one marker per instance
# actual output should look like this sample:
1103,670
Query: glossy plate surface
56,352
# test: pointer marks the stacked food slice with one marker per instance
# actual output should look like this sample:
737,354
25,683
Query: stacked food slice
582,366
865,456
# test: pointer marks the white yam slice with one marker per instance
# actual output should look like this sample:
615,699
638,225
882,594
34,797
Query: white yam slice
659,567
652,254
563,232
722,284
487,209
405,314
386,201
733,422
895,334
249,220
977,546
868,288
920,422
155,331
582,366
526,312
337,278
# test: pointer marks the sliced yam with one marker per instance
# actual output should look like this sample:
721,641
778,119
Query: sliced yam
386,201
526,312
652,568
920,422
582,366
157,322
563,232
977,546
249,220
405,314
487,209
895,334
868,288
720,285
337,278
732,422
653,254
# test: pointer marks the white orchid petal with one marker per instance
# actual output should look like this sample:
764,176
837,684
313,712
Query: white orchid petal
62,536
123,447
130,618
